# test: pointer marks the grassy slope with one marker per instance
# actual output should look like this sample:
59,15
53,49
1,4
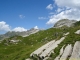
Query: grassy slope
22,50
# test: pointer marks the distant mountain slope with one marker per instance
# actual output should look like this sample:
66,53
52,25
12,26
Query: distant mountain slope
13,33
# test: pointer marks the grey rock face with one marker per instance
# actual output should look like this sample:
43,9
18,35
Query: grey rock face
65,22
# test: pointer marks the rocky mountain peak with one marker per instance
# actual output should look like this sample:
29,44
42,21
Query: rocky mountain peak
65,22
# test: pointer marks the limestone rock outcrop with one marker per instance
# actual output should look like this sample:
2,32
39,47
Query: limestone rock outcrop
46,50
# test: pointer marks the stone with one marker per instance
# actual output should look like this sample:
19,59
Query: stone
66,33
77,32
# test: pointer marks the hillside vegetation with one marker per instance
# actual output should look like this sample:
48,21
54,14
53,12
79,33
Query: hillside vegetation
22,49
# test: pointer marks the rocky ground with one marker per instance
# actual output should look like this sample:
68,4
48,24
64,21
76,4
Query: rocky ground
69,52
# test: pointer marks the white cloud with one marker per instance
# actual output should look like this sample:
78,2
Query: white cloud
68,3
36,27
50,7
69,9
59,10
21,16
4,26
42,18
19,29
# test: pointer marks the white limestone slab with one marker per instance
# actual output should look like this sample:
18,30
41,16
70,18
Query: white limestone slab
76,51
66,52
48,51
41,49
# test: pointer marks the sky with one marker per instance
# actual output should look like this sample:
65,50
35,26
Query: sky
22,15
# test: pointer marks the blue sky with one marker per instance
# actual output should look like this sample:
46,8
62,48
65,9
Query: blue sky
26,14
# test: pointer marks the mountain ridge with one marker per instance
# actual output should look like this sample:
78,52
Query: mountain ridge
23,34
